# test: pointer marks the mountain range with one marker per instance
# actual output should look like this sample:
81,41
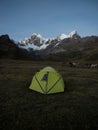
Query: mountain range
63,47
37,42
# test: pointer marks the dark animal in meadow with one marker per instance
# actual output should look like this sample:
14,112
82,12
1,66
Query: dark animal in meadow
73,64
87,65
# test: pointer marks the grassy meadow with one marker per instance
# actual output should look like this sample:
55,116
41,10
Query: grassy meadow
24,109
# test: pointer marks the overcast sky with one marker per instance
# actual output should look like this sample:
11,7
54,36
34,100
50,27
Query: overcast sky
21,18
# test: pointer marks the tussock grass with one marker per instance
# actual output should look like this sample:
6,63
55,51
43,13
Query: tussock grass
23,109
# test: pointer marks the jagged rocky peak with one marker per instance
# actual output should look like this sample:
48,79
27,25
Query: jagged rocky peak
35,39
73,34
35,35
62,36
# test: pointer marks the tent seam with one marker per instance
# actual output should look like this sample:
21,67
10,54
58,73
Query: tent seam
39,85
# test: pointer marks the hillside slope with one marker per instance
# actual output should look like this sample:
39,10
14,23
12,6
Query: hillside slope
74,49
8,49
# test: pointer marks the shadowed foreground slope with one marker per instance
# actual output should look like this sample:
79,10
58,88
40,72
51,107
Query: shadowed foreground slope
23,109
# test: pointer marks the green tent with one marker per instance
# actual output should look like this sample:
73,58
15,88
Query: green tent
47,81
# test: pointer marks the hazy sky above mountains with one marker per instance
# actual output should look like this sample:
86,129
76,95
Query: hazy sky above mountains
21,18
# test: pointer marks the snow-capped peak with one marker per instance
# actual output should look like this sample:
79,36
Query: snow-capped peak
62,36
72,33
37,35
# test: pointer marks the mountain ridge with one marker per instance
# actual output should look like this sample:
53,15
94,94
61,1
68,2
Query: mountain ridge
74,48
37,42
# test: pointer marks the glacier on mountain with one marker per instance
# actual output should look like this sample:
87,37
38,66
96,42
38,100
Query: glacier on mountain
37,42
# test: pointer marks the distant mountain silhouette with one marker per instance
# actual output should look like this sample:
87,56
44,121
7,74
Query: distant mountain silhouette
8,49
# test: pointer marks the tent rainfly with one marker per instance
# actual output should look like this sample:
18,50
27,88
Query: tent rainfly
47,81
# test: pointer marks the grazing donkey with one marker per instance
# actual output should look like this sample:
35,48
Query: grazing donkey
73,64
94,65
